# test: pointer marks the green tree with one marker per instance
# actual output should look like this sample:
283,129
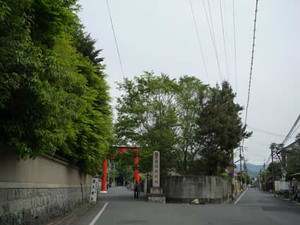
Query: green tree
264,175
244,178
293,161
275,168
220,130
54,97
190,97
147,118
195,127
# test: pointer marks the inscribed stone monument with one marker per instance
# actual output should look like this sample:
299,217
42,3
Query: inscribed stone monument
156,192
156,169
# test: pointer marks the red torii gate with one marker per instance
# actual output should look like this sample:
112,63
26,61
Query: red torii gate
121,151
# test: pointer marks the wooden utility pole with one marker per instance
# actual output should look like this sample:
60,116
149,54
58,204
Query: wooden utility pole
240,159
273,174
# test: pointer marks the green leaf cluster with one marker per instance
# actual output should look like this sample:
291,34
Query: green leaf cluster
195,127
293,162
147,117
220,129
54,97
275,169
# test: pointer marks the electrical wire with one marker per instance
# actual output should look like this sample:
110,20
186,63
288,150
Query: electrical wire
234,42
212,35
224,41
266,132
115,37
251,63
258,143
199,40
295,131
268,160
251,66
291,130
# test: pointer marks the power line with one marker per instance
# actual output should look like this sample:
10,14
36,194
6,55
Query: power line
213,32
234,40
291,130
224,41
251,63
115,38
269,158
251,66
199,40
295,131
212,35
258,143
266,132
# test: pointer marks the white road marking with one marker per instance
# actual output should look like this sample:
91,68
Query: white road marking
99,214
240,197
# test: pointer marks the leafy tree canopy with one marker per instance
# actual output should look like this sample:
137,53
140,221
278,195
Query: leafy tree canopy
220,129
195,127
275,168
54,97
293,162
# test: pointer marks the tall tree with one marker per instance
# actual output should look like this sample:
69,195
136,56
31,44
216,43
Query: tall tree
275,168
147,117
194,127
190,97
293,161
54,97
220,130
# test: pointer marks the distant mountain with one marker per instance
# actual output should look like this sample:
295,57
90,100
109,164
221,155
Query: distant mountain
253,170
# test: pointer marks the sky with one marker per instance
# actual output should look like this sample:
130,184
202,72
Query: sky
160,36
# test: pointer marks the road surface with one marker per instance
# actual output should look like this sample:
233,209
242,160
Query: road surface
118,207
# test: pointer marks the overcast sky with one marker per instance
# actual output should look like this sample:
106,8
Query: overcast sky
160,36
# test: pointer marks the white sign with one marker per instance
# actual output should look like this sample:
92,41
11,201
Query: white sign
94,188
156,169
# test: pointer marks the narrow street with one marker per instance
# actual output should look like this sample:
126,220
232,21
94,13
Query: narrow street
255,207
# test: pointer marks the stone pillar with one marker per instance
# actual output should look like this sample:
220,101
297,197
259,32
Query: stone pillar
156,192
94,189
156,169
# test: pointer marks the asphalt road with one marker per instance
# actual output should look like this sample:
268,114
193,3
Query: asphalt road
118,207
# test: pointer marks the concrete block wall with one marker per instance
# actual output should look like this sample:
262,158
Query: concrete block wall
208,189
37,190
38,205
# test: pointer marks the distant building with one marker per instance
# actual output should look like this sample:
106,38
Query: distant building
285,153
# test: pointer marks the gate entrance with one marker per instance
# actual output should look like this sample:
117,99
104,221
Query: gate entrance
121,150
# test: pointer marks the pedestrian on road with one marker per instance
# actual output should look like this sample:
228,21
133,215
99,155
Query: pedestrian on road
136,189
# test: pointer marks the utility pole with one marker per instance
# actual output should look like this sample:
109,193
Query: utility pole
241,168
240,159
266,185
273,175
259,180
114,174
244,158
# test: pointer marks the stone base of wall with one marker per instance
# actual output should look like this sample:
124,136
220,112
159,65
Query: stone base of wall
154,198
200,200
39,205
206,189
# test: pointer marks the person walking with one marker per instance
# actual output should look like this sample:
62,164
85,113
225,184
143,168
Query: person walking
136,189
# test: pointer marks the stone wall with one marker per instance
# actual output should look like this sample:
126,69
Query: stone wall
38,205
207,189
35,191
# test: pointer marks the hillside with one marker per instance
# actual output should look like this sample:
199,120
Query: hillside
253,170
